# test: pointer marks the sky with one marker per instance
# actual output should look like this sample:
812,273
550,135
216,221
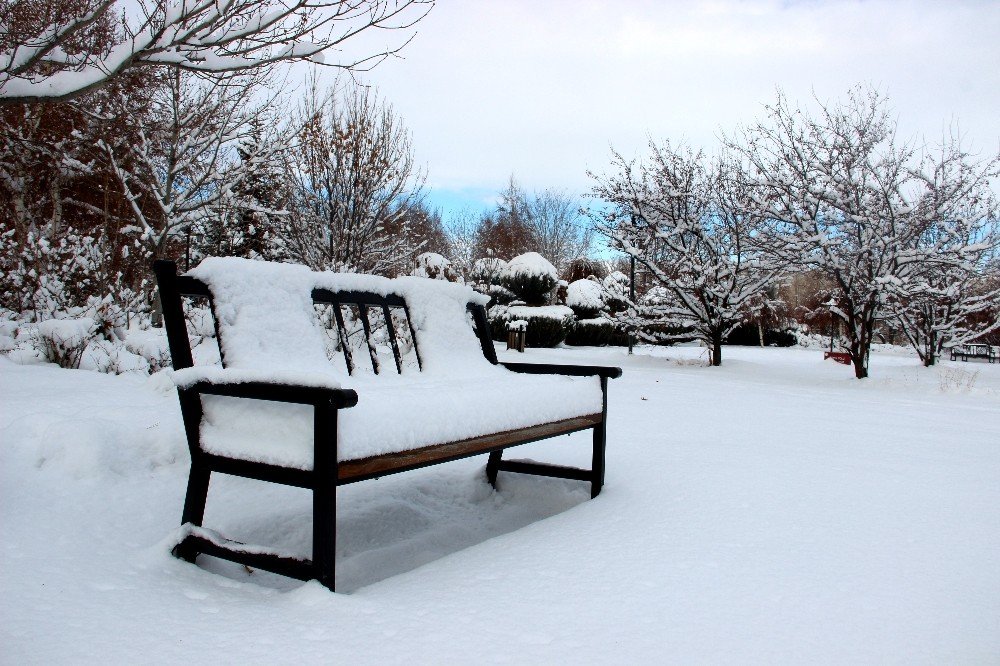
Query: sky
543,89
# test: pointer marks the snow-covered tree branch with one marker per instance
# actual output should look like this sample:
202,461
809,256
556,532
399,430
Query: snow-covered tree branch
47,54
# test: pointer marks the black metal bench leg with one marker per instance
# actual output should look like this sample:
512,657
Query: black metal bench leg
493,466
325,534
600,440
597,463
325,496
194,505
197,494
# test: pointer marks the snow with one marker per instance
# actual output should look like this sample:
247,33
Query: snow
585,294
531,263
67,333
533,311
391,415
771,510
265,314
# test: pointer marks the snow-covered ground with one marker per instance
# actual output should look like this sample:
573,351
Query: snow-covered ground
771,510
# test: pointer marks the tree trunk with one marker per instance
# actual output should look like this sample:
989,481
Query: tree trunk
716,348
860,367
931,349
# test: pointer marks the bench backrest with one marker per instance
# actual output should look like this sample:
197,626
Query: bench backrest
358,323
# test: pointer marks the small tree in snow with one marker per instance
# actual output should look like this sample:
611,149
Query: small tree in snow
688,222
461,230
249,224
353,180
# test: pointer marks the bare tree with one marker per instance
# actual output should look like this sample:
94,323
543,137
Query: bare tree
846,197
184,167
461,230
48,54
353,179
552,219
688,222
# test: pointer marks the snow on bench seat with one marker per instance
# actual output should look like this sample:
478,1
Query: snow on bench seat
397,414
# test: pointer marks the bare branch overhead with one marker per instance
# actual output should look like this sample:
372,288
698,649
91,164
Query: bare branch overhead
43,58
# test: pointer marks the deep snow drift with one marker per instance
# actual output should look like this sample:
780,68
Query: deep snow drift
773,509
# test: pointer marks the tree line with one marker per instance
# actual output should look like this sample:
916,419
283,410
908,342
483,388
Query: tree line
892,231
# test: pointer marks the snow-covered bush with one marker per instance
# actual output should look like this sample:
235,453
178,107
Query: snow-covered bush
434,266
8,330
485,278
547,326
500,294
62,341
586,297
488,270
749,335
531,277
151,345
112,357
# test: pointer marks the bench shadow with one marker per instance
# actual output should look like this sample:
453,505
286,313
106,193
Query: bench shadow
387,526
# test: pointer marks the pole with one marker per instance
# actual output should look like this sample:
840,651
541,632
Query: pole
631,295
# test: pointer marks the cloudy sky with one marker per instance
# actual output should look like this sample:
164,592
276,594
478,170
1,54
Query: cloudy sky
543,88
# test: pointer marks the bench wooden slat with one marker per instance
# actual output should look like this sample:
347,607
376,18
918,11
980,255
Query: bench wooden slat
366,468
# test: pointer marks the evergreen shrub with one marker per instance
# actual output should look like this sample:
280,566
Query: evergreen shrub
545,331
747,335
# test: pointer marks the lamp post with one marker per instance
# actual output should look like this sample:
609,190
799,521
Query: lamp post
631,295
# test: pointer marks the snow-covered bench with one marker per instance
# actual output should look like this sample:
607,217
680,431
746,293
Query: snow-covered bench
967,351
402,375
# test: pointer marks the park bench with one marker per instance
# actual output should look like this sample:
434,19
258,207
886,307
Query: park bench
967,351
328,379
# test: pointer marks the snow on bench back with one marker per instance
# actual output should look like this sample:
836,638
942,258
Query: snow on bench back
268,325
264,313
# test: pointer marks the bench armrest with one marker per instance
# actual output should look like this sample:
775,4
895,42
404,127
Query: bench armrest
572,370
305,395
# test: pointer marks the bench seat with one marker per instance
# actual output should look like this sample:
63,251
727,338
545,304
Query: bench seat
396,414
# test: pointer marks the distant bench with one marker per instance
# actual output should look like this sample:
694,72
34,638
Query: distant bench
967,351
331,443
